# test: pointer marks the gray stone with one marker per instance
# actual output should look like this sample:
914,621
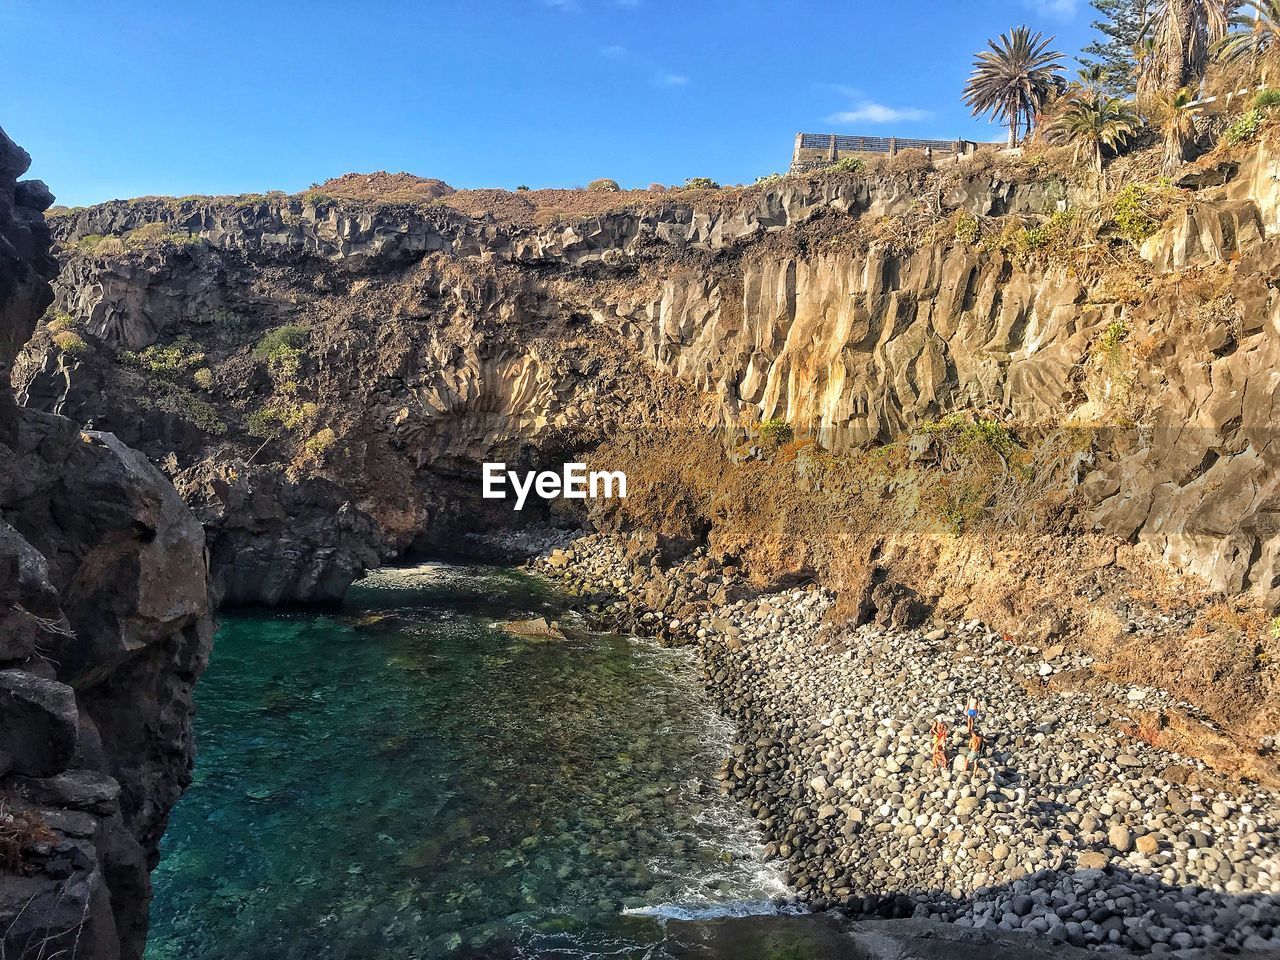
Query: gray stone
38,723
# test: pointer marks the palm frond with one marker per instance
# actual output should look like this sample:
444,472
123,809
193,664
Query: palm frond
1250,35
1014,78
1184,34
1094,124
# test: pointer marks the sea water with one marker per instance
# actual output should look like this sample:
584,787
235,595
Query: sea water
402,778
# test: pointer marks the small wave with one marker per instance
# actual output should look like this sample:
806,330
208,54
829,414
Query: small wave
717,911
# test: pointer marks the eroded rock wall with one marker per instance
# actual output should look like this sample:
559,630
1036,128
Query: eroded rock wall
104,628
439,341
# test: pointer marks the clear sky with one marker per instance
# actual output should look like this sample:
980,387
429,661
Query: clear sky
121,98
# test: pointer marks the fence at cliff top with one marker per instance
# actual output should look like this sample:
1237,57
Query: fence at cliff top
814,150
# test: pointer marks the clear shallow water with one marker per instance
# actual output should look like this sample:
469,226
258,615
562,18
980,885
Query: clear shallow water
404,779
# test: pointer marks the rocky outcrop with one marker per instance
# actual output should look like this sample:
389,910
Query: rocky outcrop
281,541
104,628
438,341
25,264
422,341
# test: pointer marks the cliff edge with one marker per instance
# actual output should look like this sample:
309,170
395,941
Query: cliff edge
104,627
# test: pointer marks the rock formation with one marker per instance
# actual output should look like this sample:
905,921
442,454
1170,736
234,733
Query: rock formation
436,340
323,375
104,628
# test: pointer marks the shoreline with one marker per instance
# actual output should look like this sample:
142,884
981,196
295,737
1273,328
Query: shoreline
1078,833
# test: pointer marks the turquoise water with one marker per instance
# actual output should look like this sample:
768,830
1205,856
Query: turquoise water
404,779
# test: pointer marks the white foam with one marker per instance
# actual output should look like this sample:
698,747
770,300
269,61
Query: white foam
733,908
420,575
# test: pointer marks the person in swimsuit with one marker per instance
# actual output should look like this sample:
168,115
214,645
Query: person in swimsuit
972,755
939,745
971,712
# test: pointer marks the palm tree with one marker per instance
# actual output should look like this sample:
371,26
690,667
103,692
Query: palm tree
1144,55
1014,79
1091,78
1093,124
1169,110
1254,36
1184,32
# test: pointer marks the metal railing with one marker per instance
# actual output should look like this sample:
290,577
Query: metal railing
845,144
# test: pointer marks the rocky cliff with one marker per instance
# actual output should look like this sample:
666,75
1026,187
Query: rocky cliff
322,375
427,341
104,627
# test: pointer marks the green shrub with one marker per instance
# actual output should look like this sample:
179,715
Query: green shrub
289,337
284,366
89,242
769,178
1131,214
170,361
848,165
171,397
1049,236
261,423
975,455
60,321
776,431
701,183
151,236
1244,127
319,442
281,348
203,378
196,411
1267,99
970,437
228,321
1110,345
522,187
293,414
603,185
71,343
248,200
281,414
967,229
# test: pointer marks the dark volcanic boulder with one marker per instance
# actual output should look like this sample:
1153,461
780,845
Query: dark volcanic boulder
275,540
38,723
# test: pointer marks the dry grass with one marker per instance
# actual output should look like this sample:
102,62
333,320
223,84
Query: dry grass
20,829
385,187
978,521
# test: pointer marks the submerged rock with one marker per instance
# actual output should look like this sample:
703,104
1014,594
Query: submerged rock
536,628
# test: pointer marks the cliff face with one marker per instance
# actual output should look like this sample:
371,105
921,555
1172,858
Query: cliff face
432,342
104,628
435,341
322,378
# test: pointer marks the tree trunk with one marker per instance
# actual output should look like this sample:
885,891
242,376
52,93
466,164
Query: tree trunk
1013,133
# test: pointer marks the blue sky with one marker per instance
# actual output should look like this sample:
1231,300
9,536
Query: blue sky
132,97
